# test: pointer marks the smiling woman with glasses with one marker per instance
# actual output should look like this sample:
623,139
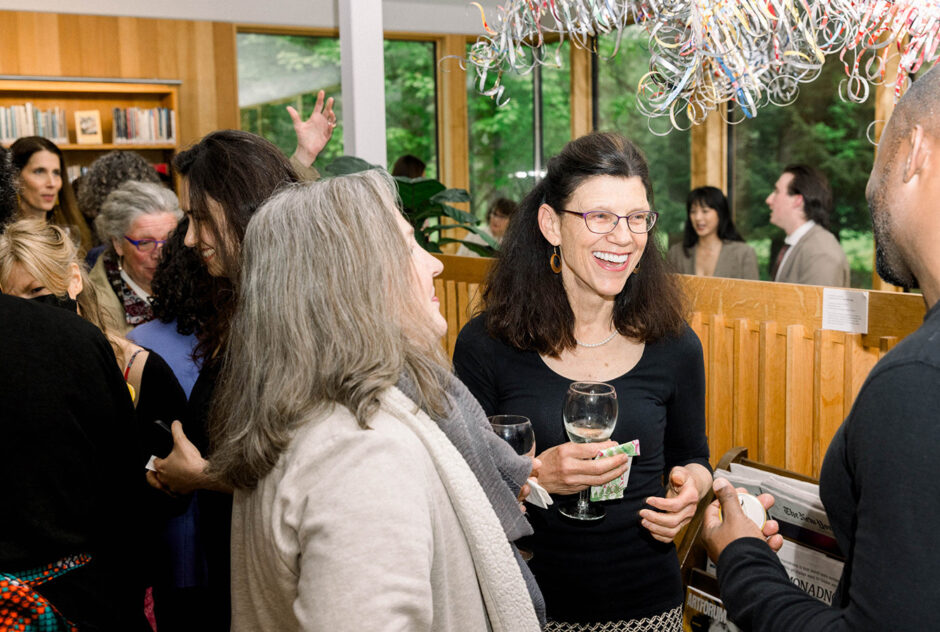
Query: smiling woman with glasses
134,222
580,292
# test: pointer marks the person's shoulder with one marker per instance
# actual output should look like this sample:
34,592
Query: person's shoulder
55,323
474,330
737,247
682,343
922,347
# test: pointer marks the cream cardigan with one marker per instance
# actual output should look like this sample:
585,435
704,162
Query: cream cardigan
381,529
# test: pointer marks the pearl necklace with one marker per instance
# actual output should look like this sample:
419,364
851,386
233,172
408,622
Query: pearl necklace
603,342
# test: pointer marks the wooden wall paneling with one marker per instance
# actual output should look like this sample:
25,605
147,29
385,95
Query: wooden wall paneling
859,360
772,396
225,53
720,386
453,127
799,406
746,387
886,344
829,391
582,107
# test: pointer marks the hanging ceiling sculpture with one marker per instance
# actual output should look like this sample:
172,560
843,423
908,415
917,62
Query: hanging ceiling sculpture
707,52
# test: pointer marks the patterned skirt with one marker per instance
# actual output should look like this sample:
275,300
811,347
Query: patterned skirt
669,621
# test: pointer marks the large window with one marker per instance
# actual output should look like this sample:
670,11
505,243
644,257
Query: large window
275,71
507,151
668,155
821,130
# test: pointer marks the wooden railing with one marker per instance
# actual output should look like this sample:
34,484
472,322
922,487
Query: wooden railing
777,383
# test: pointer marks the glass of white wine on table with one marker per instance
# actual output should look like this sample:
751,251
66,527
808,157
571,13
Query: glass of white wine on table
590,415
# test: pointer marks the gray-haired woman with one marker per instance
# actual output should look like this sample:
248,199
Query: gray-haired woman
370,492
134,222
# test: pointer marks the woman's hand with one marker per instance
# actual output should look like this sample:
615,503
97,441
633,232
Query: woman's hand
314,133
184,470
718,533
570,467
687,485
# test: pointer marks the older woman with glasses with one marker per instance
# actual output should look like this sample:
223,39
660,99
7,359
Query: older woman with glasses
579,292
134,222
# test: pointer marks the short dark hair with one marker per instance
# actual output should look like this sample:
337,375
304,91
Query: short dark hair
239,171
710,197
502,206
107,173
7,189
813,185
409,166
526,303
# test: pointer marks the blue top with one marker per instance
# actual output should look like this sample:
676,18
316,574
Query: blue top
173,346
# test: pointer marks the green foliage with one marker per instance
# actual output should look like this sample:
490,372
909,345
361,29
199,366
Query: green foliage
668,156
266,61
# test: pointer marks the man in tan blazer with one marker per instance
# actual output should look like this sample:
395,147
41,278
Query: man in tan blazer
800,205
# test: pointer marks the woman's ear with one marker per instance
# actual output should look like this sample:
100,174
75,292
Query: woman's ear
550,224
75,281
118,246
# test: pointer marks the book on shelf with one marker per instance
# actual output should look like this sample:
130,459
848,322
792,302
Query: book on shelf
139,126
17,121
88,127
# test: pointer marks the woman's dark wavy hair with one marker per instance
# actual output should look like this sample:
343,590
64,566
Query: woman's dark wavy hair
525,302
180,285
710,197
8,204
239,171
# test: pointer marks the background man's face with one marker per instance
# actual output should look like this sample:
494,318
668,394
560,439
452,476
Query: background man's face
786,211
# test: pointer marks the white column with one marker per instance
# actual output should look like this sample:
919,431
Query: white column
363,75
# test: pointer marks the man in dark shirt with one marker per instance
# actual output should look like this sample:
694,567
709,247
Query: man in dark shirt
879,480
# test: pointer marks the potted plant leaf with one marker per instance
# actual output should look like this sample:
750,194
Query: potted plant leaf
426,203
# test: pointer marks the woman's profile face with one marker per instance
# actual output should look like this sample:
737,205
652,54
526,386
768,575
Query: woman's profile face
426,267
200,235
595,264
704,220
40,181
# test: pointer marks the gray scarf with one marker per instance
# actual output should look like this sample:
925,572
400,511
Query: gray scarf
499,470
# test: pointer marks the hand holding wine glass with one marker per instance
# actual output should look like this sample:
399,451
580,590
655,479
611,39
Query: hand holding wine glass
589,415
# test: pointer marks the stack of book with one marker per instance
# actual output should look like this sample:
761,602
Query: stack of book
18,121
142,126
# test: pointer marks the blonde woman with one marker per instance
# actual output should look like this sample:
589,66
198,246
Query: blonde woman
369,489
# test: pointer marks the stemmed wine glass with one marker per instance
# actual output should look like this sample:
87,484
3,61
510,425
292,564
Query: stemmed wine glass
515,430
590,414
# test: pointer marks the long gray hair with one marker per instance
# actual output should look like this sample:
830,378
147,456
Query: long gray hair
326,314
128,202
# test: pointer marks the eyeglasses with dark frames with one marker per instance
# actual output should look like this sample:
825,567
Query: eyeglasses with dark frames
603,222
146,245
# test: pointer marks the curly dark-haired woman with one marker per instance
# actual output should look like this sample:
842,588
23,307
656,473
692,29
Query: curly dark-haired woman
580,292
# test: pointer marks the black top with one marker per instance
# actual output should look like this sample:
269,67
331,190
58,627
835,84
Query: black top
69,462
613,569
881,491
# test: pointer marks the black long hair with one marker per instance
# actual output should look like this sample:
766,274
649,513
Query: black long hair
7,189
525,302
238,171
710,197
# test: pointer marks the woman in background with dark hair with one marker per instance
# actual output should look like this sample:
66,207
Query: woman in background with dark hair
711,246
43,186
7,189
579,292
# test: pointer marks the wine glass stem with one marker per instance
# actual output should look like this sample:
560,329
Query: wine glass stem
584,500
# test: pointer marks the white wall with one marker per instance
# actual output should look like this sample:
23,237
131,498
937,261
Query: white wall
437,16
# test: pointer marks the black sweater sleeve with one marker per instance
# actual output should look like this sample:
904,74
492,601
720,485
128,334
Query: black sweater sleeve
473,364
883,462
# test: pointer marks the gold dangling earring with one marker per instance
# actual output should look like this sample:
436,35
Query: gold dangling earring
636,269
555,261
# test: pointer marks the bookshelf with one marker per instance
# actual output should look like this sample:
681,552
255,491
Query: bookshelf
79,94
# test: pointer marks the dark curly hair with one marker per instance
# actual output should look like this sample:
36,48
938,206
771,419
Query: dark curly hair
526,303
180,284
108,173
7,189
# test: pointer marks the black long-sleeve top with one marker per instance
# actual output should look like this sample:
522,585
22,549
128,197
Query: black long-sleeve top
70,463
613,569
880,486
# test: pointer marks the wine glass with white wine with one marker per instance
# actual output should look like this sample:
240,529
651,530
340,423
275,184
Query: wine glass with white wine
590,415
